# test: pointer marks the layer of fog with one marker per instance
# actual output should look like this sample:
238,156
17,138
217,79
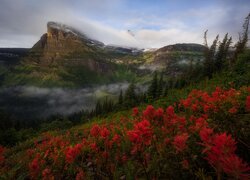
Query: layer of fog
33,101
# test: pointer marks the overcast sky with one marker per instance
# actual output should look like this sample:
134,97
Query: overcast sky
139,23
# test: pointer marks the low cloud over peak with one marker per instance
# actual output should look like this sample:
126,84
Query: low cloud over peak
123,22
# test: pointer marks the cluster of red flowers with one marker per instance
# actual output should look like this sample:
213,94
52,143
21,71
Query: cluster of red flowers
72,152
148,139
220,151
220,100
140,135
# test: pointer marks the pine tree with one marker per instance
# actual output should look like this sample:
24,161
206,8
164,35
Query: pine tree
243,38
153,88
209,57
166,89
221,54
160,86
229,42
130,96
98,108
120,100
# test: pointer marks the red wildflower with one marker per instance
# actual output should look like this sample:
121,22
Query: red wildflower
134,136
104,132
170,111
34,166
73,152
135,111
232,110
46,172
199,123
149,112
141,133
167,141
194,107
95,131
159,112
105,154
206,108
94,147
80,175
180,142
235,167
124,158
186,102
224,143
248,103
205,134
116,138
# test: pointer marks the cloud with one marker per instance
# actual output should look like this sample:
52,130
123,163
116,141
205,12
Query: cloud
43,102
22,22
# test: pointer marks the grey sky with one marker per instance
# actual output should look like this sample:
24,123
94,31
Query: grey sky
153,23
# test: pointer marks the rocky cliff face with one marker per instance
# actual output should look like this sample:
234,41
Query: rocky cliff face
58,42
63,45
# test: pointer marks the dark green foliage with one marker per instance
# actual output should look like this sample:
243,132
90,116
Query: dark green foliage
120,100
166,89
221,54
210,57
160,86
240,74
56,124
130,98
98,107
243,38
153,88
103,107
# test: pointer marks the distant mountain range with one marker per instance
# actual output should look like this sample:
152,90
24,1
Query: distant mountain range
65,56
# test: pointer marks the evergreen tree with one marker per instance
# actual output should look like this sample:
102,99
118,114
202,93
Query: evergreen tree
166,89
120,100
160,86
98,108
170,83
130,96
209,57
221,54
243,38
153,88
229,42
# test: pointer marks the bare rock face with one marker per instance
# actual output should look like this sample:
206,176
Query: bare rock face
58,42
66,46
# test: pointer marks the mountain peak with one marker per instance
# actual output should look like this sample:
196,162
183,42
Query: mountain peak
60,29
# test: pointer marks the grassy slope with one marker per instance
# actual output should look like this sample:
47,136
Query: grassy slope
223,79
65,74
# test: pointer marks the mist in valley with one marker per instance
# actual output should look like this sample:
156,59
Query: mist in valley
35,102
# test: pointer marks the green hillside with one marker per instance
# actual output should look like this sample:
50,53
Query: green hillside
189,133
192,122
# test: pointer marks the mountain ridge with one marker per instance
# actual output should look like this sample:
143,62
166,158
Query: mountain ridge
64,55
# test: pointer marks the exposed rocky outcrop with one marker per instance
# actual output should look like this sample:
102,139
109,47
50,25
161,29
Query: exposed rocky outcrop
66,46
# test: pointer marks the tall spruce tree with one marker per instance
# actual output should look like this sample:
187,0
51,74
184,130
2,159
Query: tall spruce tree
209,56
153,88
120,100
166,89
229,42
130,95
221,54
160,86
98,108
243,39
